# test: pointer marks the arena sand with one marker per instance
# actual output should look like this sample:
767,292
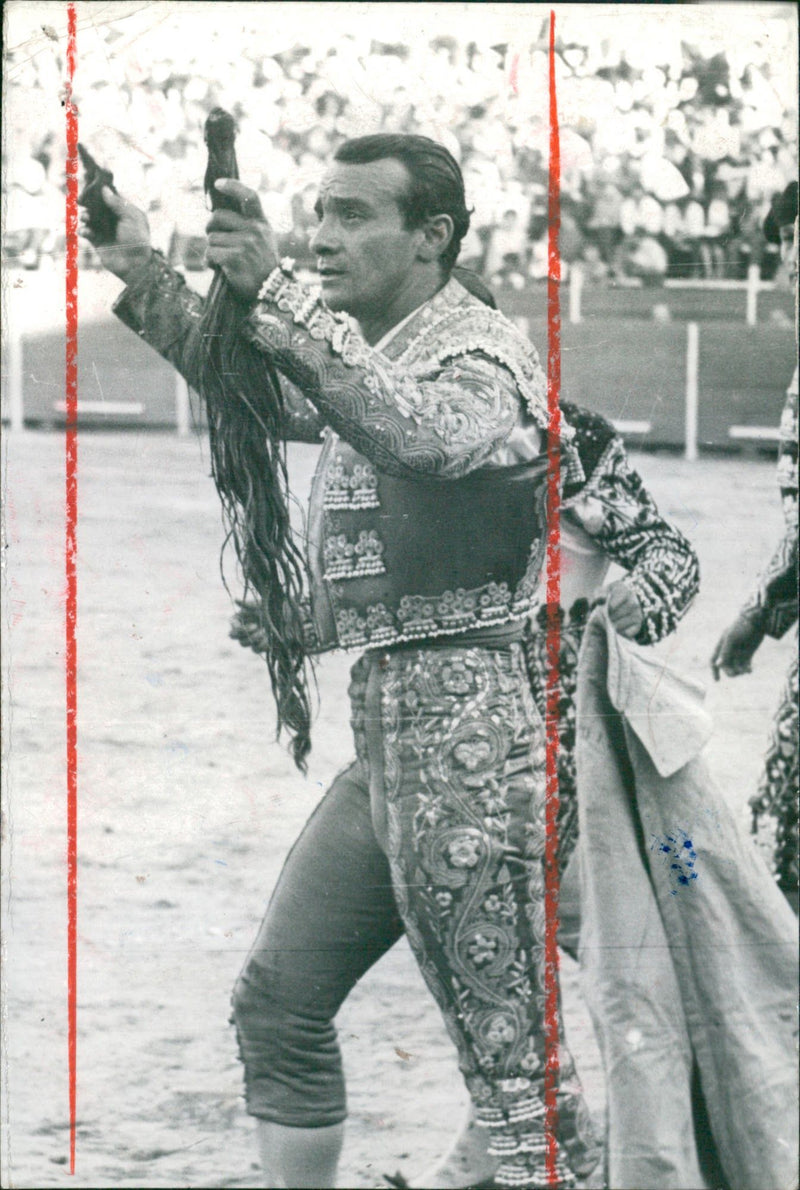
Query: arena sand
187,808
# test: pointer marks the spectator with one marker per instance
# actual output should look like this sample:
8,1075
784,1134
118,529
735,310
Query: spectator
506,257
715,235
645,258
33,215
694,225
629,212
297,243
604,224
715,107
650,216
571,241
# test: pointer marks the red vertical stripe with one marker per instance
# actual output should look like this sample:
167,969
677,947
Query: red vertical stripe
553,573
71,544
513,74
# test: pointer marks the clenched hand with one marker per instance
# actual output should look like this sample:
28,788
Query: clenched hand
735,648
624,609
131,248
241,244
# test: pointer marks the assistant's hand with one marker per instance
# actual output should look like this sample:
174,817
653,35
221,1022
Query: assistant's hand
131,248
736,646
624,609
247,627
241,244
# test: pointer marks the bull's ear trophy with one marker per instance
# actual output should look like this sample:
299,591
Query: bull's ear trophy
241,390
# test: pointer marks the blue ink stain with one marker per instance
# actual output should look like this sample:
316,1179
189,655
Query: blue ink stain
221,861
679,854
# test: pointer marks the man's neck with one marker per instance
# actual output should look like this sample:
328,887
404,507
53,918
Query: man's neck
406,302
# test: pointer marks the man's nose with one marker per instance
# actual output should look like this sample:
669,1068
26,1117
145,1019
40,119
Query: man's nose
324,241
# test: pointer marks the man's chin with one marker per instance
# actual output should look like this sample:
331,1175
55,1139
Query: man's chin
333,294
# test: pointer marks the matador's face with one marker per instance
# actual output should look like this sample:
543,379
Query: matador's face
366,256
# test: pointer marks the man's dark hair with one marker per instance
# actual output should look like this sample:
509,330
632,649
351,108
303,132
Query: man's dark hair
436,186
474,285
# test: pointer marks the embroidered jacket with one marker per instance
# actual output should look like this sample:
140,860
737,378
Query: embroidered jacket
774,600
426,513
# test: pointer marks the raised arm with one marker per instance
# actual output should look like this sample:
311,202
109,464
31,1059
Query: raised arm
156,304
443,423
160,308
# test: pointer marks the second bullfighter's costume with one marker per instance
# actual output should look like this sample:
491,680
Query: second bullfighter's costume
774,605
425,543
607,517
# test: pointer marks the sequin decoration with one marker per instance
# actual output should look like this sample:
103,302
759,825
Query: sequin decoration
353,488
354,559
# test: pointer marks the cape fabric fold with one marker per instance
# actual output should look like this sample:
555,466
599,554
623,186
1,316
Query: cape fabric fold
688,949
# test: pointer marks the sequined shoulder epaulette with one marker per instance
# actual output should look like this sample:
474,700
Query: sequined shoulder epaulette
455,323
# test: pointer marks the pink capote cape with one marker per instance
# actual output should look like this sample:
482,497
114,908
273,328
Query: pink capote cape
689,965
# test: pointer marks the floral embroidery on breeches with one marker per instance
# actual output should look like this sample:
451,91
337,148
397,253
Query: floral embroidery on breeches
463,761
775,807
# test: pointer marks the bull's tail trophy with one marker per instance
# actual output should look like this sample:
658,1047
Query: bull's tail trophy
242,394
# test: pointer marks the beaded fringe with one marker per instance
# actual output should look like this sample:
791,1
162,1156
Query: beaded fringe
517,1137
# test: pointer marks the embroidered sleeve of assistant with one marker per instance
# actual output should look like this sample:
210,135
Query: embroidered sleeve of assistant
774,600
616,509
442,423
163,311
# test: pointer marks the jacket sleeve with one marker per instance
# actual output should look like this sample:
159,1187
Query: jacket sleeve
161,308
774,600
441,423
616,509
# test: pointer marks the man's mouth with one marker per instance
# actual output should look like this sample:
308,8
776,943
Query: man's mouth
326,271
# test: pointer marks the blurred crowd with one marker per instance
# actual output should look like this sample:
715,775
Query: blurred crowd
672,146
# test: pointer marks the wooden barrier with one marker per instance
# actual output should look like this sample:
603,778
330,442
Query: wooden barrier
690,399
635,371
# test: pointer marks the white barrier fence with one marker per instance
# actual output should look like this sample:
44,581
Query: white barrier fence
691,403
40,312
14,400
752,287
691,396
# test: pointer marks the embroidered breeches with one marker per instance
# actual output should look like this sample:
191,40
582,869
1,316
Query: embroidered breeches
437,830
775,806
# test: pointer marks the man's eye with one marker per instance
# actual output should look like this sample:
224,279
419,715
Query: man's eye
351,216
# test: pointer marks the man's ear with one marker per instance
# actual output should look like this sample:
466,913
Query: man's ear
437,232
